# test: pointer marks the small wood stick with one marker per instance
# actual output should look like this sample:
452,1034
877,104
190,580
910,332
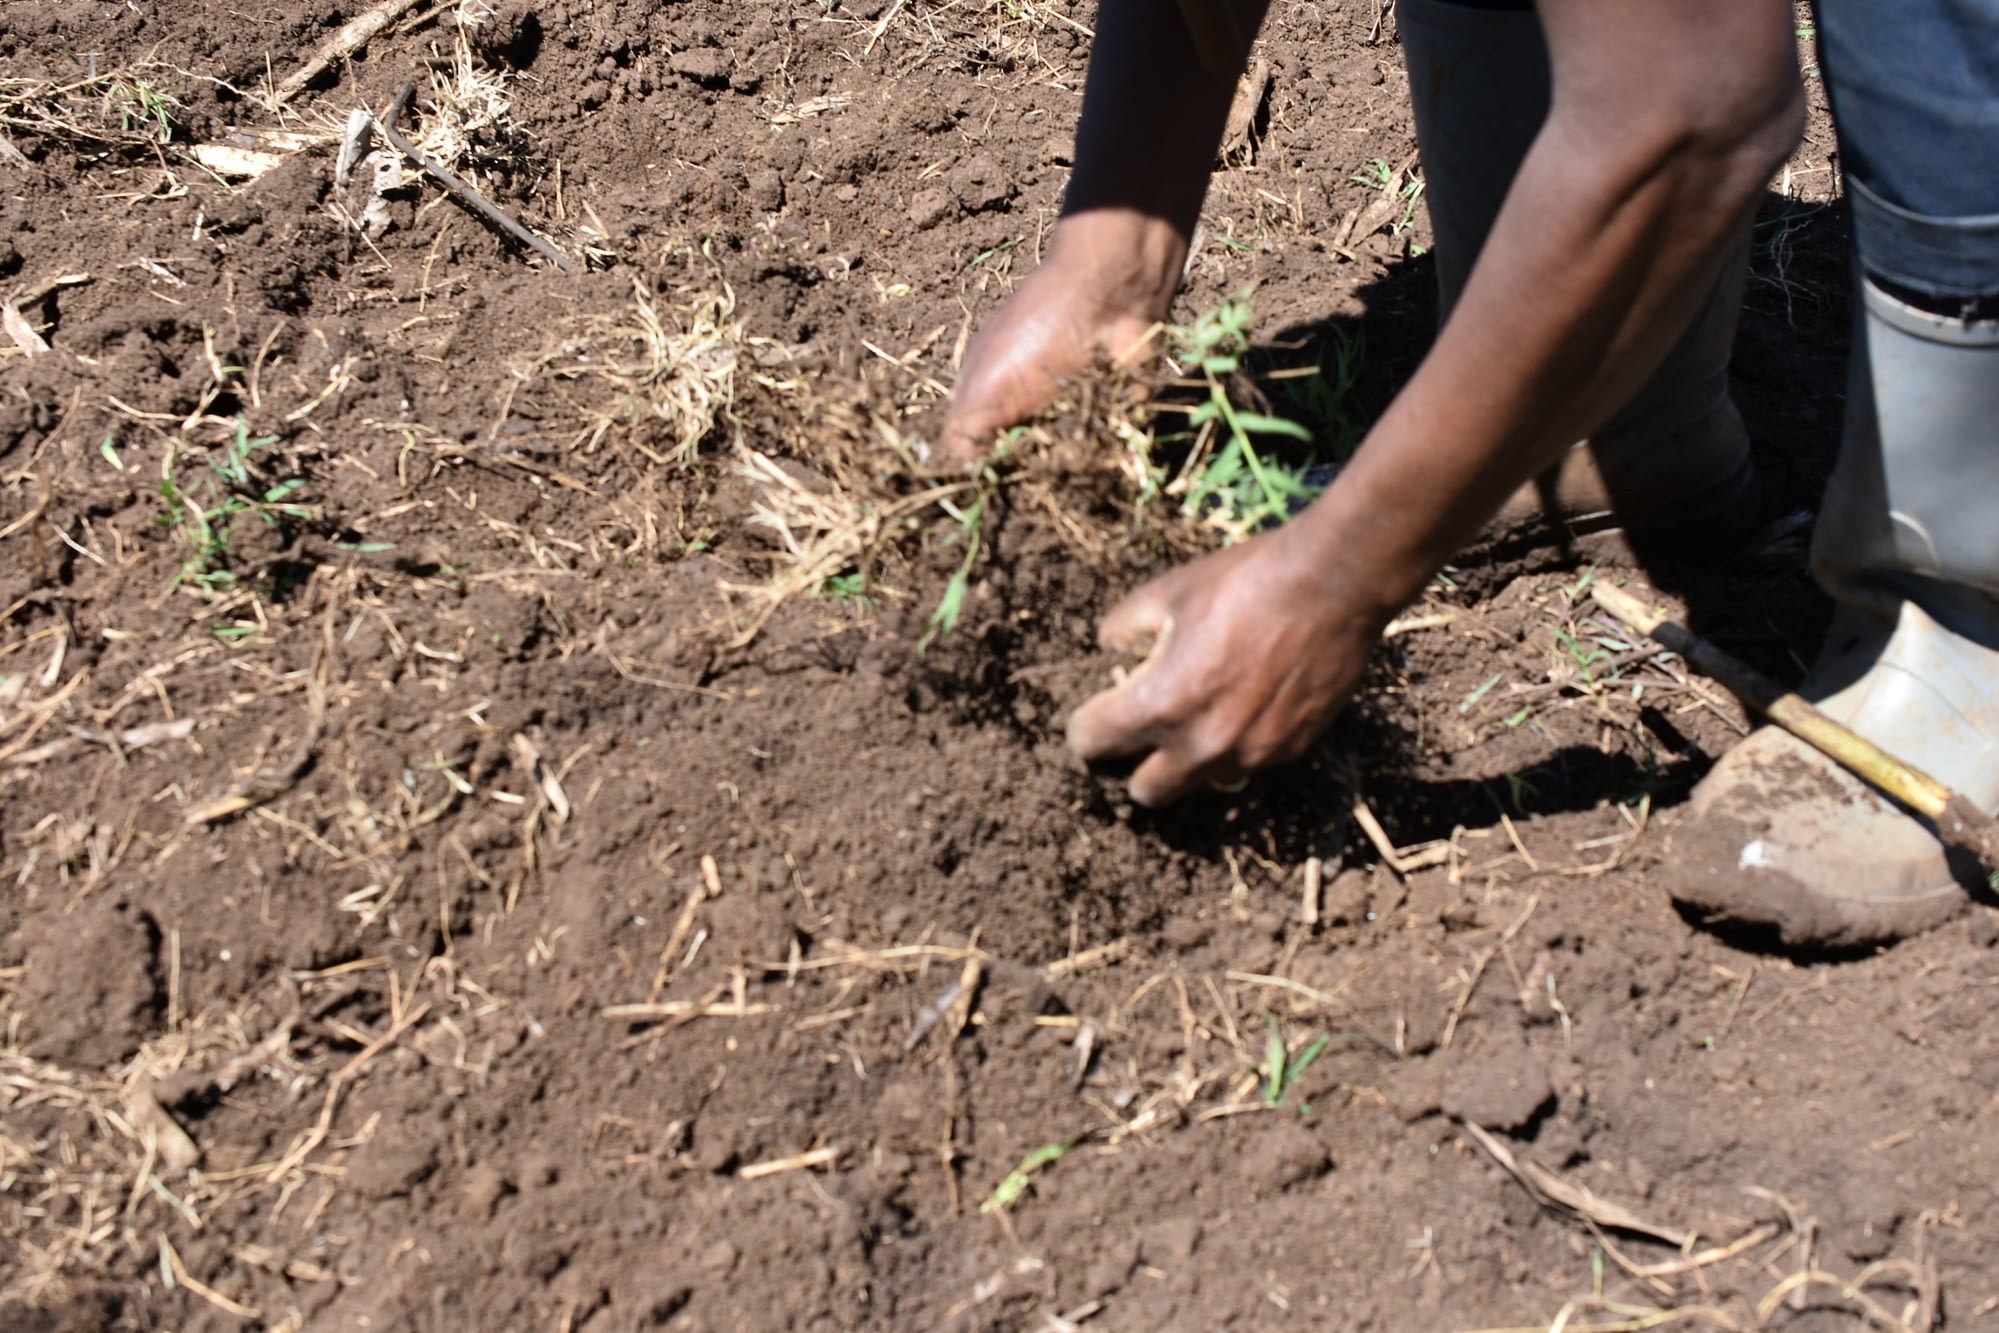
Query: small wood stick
444,175
1958,821
354,35
678,937
804,1161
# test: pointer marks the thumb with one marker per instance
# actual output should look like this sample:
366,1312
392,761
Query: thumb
1119,721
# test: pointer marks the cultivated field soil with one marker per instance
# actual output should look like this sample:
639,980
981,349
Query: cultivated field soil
495,835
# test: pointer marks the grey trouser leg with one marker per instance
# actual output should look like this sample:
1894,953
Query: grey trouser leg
1677,453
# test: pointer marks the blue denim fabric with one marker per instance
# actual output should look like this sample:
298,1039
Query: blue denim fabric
1915,98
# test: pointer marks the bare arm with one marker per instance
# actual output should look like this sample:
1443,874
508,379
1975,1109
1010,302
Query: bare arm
1153,113
1667,121
1668,118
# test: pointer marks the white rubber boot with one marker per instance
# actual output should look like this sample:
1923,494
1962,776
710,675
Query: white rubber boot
1908,544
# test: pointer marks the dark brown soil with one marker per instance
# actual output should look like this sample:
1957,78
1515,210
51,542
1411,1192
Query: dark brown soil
312,1007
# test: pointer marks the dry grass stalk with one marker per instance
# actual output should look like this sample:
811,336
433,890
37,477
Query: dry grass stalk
178,1276
1403,861
1099,956
896,958
24,334
473,105
683,926
122,108
83,1172
336,1089
1552,1191
670,371
1313,997
1312,894
686,1009
804,1161
270,781
82,1192
821,533
1918,1280
1479,968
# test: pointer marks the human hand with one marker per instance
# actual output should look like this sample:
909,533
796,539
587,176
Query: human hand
1254,651
1102,292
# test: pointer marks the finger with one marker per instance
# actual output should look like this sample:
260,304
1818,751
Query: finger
1116,723
959,446
954,452
1167,777
1129,358
1139,623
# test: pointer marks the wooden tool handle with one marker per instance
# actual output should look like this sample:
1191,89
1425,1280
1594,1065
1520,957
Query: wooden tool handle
1858,755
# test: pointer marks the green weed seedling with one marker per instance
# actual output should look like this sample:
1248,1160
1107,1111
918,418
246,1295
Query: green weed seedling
1321,396
851,587
1010,1190
992,252
227,492
951,606
1377,173
1477,696
1233,485
1518,789
1583,655
1280,1072
970,523
143,109
1380,175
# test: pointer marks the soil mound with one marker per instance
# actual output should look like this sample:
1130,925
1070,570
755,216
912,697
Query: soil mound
447,886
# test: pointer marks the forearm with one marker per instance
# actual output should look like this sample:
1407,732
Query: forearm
1611,237
1154,109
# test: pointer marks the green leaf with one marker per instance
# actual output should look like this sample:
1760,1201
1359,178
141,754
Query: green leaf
1274,1079
1268,425
1472,699
949,608
1009,1191
951,605
1304,1062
